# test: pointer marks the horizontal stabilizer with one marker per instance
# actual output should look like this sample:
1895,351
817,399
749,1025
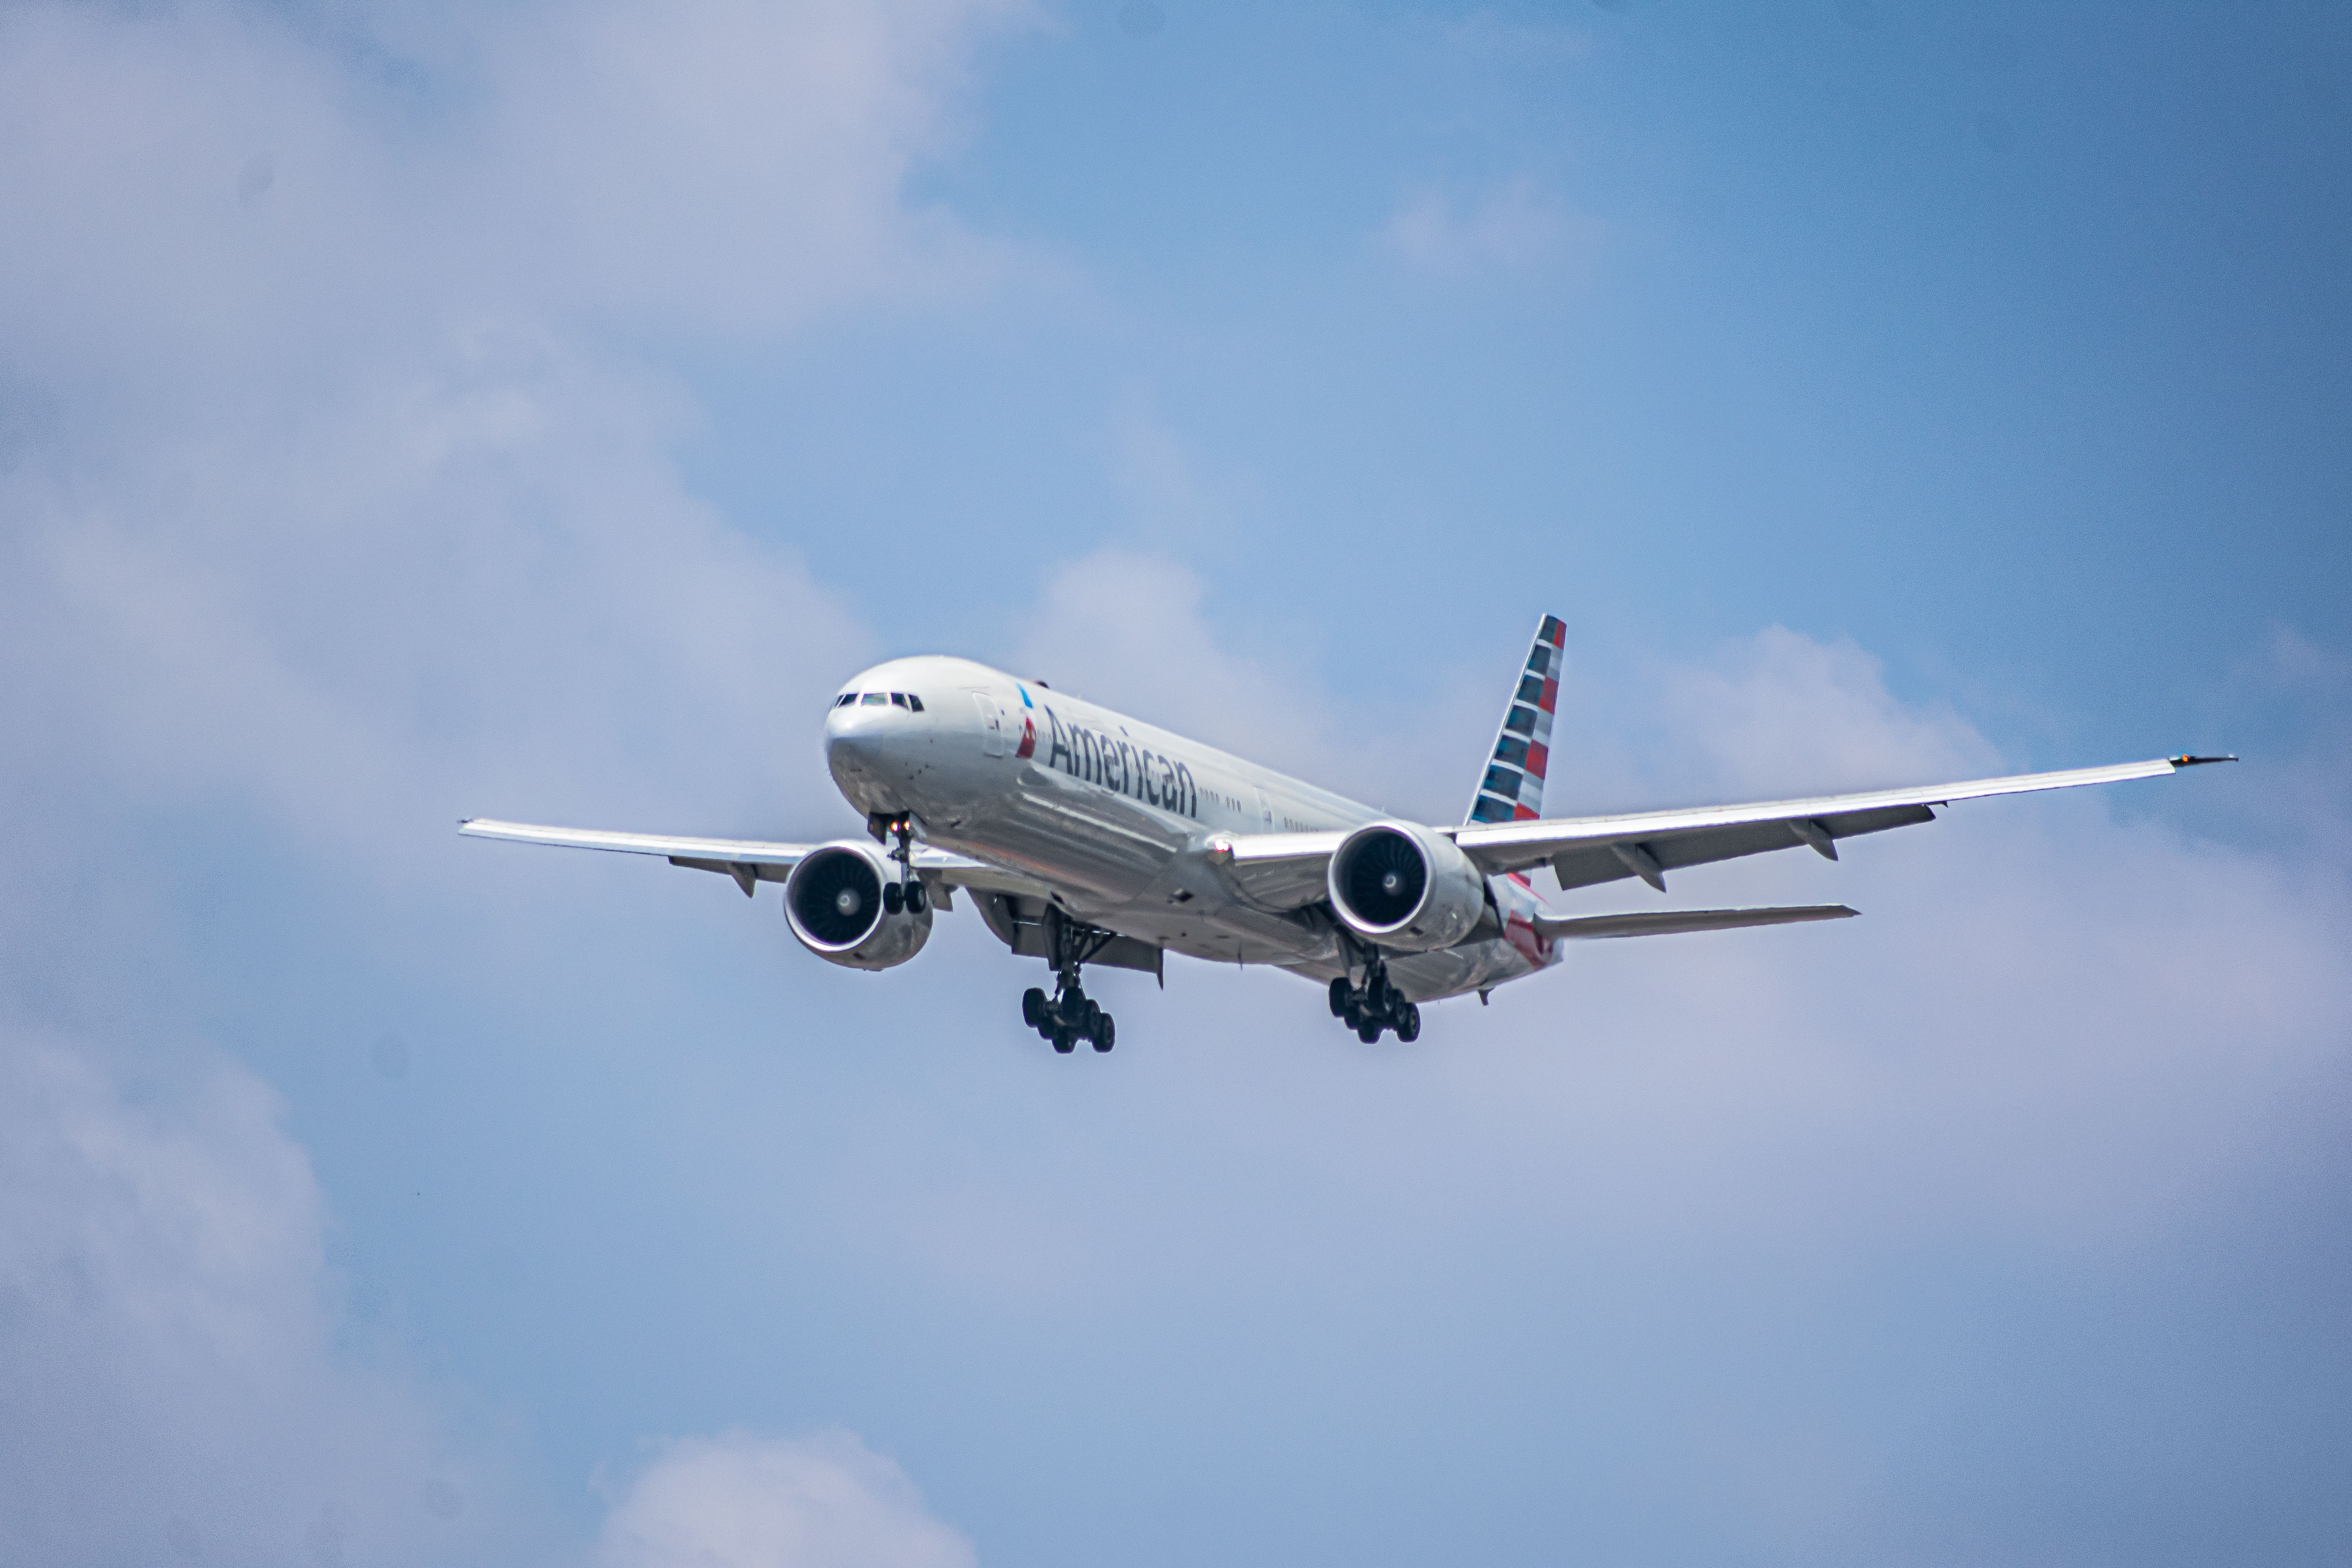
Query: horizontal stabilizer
1666,923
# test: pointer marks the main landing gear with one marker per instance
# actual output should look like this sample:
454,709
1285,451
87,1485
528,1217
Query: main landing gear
1374,1006
1070,1014
1069,1018
907,895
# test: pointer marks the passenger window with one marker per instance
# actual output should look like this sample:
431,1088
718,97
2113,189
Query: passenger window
878,700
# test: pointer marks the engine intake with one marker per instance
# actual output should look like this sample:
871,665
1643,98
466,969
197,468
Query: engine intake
832,900
1402,886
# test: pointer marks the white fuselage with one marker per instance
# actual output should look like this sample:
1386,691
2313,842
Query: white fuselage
1119,820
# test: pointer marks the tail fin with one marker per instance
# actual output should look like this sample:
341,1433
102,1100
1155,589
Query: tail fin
1514,786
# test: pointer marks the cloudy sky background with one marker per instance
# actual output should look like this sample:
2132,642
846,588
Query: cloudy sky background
413,412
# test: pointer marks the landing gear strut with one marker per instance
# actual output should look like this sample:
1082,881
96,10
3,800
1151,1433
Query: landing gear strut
1070,1014
1376,1005
907,894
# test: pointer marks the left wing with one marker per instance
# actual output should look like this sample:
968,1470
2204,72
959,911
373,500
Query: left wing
1285,871
1648,844
748,860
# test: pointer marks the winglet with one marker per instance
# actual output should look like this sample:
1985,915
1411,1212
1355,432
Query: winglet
2186,761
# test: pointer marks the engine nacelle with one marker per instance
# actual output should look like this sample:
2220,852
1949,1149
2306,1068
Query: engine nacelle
1401,886
833,902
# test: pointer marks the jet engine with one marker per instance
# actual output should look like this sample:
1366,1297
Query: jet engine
836,904
1402,887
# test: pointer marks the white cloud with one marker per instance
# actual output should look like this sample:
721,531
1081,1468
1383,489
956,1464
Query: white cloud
741,1502
1126,630
728,167
168,1355
1513,226
325,495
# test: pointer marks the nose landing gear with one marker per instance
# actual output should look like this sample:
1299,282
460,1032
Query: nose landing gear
1069,1015
907,894
1375,1006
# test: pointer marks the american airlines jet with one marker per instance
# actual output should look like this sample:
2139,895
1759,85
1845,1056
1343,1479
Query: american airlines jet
1084,836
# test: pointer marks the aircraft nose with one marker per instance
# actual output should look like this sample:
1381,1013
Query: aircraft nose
862,742
867,736
853,731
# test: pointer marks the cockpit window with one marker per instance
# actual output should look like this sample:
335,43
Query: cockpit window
876,698
898,699
845,700
914,702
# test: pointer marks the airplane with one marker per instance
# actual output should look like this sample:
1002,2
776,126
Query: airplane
1085,836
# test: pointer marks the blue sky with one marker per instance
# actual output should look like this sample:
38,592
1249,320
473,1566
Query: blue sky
413,412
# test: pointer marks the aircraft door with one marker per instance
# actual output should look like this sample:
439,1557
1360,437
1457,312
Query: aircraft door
992,725
1265,813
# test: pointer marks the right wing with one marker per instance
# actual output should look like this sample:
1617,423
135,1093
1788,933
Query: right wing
748,860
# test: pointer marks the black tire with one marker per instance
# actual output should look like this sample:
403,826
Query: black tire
1105,1032
1064,1041
1370,1033
1033,1007
1340,992
1095,1016
1408,1026
894,899
918,898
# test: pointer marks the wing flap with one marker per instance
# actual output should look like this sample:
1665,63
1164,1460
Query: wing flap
1585,865
1671,923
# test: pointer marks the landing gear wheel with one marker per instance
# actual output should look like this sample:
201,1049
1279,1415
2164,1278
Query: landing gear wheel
1033,1007
1105,1032
1341,994
1064,1041
894,899
918,898
1370,1033
1408,1026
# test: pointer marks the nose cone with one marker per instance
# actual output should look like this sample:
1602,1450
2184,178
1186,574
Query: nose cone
878,749
856,735
866,739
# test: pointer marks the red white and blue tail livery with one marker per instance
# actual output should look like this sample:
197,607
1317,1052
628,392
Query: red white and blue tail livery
1513,787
